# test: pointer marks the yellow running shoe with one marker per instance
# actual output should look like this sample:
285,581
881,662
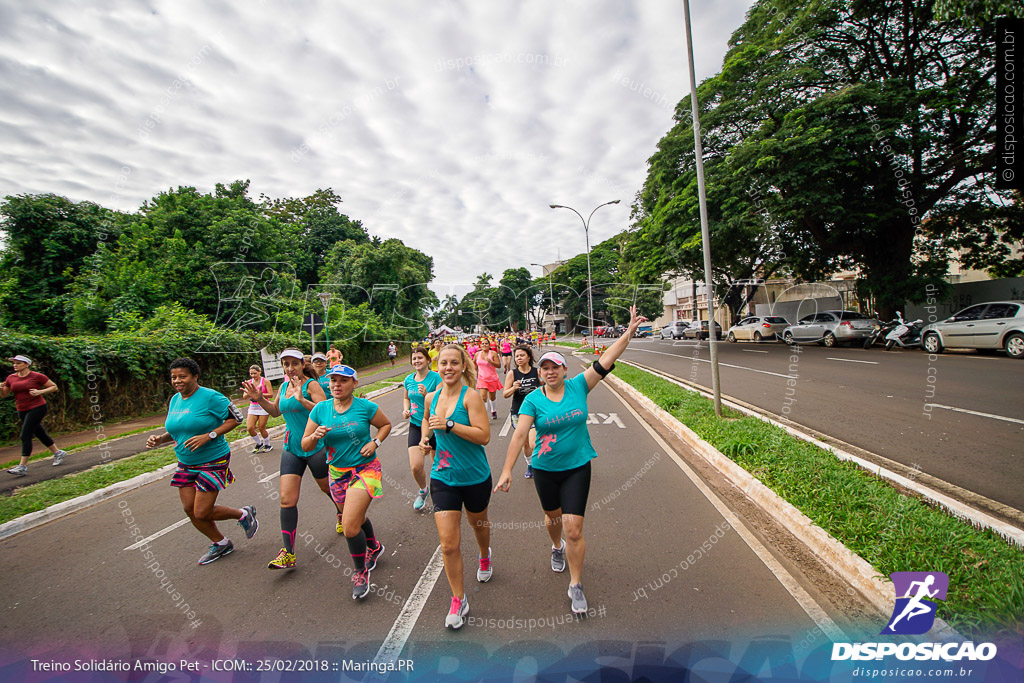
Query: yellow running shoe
340,528
284,560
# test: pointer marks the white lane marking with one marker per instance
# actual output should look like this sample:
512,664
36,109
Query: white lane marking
975,412
505,427
850,360
158,534
728,365
753,351
400,631
182,522
806,602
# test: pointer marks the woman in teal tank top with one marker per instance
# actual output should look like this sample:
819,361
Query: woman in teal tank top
460,477
563,451
299,392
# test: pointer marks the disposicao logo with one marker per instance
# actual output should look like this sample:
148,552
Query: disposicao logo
914,614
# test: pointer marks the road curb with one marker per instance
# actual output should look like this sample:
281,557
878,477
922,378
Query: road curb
954,507
67,507
853,569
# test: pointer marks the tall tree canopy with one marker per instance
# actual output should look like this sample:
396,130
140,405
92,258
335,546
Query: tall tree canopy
839,134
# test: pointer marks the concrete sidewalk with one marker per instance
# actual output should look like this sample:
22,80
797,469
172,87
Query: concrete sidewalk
117,446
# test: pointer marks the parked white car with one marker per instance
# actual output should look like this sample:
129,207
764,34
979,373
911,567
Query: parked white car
757,327
990,326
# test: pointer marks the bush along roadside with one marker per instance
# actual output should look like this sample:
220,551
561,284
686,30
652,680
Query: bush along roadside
890,530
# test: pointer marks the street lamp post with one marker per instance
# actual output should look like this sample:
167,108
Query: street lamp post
698,153
586,232
325,299
551,291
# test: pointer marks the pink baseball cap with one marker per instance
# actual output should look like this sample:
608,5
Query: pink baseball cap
554,357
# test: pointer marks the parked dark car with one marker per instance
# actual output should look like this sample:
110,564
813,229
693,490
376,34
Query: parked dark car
693,332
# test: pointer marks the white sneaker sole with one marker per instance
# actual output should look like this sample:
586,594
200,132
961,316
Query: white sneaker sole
574,610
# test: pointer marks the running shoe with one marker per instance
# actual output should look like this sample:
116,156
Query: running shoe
340,528
372,555
361,584
529,472
267,447
284,560
249,523
558,558
19,470
421,500
484,572
457,614
58,457
257,448
216,552
494,414
579,603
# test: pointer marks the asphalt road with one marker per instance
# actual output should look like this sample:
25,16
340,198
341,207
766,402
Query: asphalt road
898,404
74,590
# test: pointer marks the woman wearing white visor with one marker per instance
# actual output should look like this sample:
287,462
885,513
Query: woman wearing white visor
561,458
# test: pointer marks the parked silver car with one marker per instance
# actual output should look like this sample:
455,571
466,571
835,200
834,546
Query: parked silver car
988,327
673,330
829,328
757,327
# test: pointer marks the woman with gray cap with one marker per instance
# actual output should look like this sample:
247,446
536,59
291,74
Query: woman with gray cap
28,388
561,458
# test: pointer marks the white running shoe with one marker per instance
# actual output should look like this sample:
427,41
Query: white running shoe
457,614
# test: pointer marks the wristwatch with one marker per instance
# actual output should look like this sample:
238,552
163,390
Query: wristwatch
377,441
212,435
449,425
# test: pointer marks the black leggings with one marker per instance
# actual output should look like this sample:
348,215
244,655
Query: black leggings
32,425
566,489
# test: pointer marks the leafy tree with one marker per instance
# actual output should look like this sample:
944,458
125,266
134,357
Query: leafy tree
391,278
47,239
976,11
835,129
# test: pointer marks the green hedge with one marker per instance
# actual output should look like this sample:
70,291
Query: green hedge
123,374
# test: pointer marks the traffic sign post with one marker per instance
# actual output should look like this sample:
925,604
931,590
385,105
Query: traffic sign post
314,324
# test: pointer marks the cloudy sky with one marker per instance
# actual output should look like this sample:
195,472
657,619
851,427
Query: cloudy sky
451,125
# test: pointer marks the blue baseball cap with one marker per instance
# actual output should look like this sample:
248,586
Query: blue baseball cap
342,371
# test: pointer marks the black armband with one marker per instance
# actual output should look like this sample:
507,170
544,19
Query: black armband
601,369
235,413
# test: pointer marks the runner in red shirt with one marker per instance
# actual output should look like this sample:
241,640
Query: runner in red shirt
28,388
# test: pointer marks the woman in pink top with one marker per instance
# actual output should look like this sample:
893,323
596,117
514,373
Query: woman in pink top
506,354
28,388
487,381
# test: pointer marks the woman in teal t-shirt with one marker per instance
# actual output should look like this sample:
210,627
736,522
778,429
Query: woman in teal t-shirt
461,476
343,424
417,385
295,398
197,420
563,451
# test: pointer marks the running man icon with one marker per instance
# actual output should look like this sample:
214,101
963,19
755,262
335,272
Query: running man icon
912,609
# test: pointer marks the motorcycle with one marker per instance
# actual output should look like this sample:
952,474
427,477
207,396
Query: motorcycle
906,335
879,332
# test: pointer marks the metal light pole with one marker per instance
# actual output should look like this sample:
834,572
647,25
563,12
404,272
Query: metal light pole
698,151
586,232
325,299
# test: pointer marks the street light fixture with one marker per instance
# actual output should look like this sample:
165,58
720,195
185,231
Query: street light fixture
586,232
325,299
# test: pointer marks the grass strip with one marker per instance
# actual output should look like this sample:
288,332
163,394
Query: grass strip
891,530
46,493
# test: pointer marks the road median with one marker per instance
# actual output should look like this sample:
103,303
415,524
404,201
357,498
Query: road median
857,522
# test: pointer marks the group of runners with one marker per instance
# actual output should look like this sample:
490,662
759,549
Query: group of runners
449,401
